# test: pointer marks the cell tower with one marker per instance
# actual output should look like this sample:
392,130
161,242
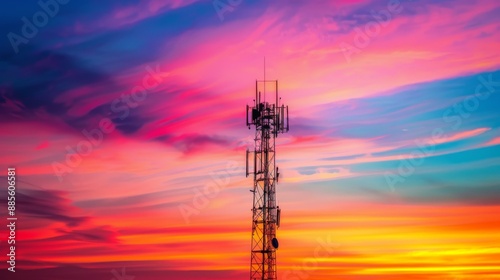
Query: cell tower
269,119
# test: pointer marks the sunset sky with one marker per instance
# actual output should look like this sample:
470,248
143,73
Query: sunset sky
125,121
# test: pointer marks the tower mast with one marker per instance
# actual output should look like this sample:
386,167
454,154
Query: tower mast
269,119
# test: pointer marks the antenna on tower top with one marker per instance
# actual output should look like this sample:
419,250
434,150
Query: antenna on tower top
264,78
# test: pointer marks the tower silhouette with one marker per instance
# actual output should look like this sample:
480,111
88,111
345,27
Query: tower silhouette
269,120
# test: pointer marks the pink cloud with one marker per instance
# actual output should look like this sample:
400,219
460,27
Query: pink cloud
42,145
462,135
494,141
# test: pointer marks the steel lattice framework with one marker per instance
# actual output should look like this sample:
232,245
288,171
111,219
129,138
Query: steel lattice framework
269,119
